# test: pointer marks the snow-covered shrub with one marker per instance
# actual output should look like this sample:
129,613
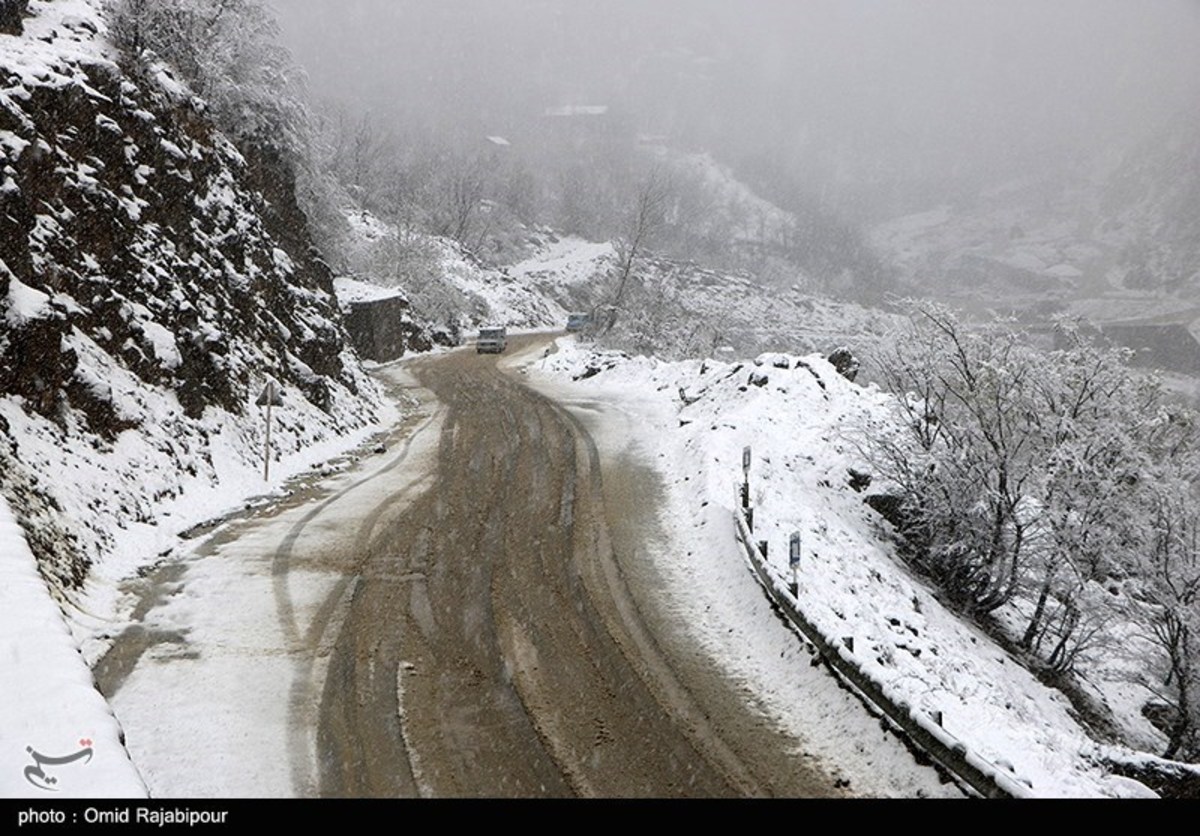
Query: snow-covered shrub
1038,482
228,51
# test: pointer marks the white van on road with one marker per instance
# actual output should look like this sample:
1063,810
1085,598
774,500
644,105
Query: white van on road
491,340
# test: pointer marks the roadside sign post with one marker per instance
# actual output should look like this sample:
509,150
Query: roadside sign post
794,563
271,396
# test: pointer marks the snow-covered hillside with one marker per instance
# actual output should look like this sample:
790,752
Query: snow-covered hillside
1115,239
1023,245
1149,207
801,419
734,211
673,307
148,291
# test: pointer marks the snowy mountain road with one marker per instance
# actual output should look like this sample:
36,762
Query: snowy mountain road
471,611
491,647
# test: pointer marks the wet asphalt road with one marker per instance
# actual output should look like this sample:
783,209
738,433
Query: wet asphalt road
490,624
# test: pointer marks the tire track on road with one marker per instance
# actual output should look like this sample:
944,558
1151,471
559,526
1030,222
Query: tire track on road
306,643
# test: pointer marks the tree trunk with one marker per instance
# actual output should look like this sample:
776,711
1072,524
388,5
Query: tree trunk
1058,657
1039,611
1181,729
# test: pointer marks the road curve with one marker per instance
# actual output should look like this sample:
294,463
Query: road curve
491,646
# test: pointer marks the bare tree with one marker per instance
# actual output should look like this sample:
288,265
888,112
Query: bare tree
464,185
356,150
646,220
1171,591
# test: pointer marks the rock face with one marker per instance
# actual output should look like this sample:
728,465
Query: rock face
846,363
152,275
11,13
143,227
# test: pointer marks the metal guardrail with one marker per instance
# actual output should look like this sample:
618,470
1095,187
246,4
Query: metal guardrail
980,776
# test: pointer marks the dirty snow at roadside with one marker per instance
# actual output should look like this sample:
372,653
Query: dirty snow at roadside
796,414
219,689
59,738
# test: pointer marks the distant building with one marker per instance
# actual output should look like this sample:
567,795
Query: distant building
577,110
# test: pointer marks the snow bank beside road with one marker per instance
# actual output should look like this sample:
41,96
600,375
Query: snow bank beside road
798,423
48,702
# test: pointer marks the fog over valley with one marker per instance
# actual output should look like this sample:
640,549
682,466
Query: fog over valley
879,107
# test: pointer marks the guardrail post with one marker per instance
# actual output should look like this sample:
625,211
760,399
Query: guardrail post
762,548
746,478
848,641
794,563
937,718
750,519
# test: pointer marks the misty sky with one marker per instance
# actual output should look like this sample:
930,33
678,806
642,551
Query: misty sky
855,90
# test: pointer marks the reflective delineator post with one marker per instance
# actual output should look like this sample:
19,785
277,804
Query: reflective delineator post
794,563
746,476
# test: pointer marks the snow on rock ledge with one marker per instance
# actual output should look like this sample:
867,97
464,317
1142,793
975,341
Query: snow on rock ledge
153,277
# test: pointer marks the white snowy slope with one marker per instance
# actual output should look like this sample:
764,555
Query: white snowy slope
124,497
444,281
678,307
137,494
120,495
58,738
800,426
749,217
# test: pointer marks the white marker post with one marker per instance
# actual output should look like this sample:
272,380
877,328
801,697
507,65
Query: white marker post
746,476
271,396
794,562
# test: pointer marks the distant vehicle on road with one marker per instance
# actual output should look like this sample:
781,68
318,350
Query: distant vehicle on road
578,321
491,340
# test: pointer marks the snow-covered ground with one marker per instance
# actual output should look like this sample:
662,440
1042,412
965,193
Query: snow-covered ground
222,699
800,424
59,738
130,499
851,583
47,686
217,682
